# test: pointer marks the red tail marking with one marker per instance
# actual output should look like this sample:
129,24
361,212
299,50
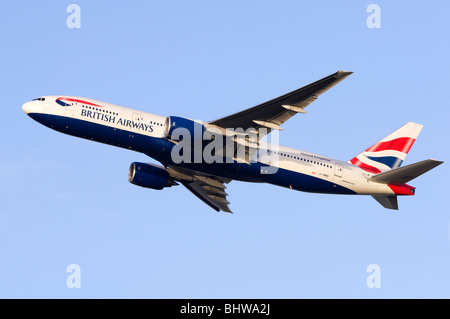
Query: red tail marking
402,144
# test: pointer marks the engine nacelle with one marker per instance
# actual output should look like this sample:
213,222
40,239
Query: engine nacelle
177,127
149,176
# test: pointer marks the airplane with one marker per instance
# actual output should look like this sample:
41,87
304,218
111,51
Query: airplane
204,165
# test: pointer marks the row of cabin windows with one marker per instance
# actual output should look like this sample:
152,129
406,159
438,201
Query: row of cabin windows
159,124
99,110
301,159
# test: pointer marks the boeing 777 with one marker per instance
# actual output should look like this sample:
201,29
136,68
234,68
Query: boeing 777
204,156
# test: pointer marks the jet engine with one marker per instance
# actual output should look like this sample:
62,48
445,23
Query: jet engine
149,176
176,128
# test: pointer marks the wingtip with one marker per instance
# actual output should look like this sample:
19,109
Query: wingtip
227,210
344,73
438,162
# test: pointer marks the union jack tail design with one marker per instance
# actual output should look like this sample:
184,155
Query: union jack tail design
390,152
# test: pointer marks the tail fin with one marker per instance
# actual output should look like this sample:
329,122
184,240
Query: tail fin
390,152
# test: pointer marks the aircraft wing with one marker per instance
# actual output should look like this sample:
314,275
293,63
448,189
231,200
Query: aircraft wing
210,189
273,113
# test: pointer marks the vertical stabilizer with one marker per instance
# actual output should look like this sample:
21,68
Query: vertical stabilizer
390,152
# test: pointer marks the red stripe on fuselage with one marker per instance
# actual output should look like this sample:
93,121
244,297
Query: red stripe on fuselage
77,101
402,144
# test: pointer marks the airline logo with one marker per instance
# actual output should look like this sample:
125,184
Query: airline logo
390,152
65,101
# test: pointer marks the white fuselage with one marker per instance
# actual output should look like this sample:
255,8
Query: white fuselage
129,128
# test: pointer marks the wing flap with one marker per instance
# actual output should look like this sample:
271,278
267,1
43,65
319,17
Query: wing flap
217,201
208,188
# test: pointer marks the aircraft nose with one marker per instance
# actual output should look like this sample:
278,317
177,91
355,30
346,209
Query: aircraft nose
32,107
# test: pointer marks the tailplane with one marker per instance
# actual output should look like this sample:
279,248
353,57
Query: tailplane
402,175
390,152
397,179
389,202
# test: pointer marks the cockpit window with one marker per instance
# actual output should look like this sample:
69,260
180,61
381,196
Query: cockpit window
39,99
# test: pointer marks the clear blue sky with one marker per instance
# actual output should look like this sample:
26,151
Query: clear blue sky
67,201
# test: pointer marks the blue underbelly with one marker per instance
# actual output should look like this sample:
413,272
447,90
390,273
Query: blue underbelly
160,149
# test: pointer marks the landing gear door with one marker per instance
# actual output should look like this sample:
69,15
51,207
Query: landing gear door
338,170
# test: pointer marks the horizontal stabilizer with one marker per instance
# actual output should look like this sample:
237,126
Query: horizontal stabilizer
402,175
389,202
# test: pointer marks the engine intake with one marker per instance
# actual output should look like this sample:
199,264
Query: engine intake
149,176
